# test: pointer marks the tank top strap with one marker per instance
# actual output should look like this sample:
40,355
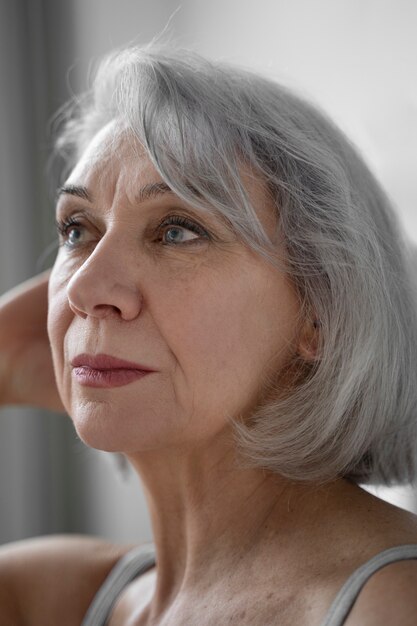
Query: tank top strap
132,564
345,599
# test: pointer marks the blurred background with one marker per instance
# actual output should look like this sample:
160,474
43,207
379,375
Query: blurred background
356,59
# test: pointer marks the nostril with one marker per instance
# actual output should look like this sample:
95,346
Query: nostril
103,310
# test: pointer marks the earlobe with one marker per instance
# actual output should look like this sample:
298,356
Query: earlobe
308,345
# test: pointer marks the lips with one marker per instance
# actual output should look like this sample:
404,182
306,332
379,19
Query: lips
106,362
104,371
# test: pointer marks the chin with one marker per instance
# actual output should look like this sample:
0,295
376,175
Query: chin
117,431
97,427
95,436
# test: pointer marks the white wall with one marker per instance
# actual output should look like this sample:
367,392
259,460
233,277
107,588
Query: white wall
356,58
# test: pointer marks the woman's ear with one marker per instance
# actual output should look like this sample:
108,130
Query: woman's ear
309,340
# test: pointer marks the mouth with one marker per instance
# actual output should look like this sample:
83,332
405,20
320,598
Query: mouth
103,370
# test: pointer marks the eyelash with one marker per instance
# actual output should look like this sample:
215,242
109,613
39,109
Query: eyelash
63,226
184,222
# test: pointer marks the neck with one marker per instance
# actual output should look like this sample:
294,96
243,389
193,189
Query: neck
208,513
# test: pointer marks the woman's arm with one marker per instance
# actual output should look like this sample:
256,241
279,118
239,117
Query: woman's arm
26,371
52,580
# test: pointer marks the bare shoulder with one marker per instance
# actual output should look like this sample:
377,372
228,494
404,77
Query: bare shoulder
389,597
50,580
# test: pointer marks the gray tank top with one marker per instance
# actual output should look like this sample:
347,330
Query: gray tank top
141,559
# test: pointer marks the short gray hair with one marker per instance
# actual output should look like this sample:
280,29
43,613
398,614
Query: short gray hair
353,411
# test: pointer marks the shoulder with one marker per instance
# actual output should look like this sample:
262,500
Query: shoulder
389,597
46,580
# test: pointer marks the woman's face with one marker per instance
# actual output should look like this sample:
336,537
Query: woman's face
144,277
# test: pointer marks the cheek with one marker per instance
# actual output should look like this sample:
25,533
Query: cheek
224,345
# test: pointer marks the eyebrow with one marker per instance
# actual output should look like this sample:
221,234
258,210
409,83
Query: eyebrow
151,190
75,190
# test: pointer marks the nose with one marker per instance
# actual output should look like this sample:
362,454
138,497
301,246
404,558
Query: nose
102,288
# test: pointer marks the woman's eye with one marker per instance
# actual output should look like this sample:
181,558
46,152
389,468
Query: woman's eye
173,231
71,232
177,234
179,230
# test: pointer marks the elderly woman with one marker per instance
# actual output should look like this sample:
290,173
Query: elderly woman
231,308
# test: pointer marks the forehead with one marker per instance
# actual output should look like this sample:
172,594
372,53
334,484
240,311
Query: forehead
110,156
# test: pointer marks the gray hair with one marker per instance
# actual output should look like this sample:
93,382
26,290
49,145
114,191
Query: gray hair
352,411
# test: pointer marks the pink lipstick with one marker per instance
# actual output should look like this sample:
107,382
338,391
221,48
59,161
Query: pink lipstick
102,370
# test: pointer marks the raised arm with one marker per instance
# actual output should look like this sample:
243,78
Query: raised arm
26,371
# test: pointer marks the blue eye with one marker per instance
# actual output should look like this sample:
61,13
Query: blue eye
174,230
73,235
174,235
180,230
70,230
